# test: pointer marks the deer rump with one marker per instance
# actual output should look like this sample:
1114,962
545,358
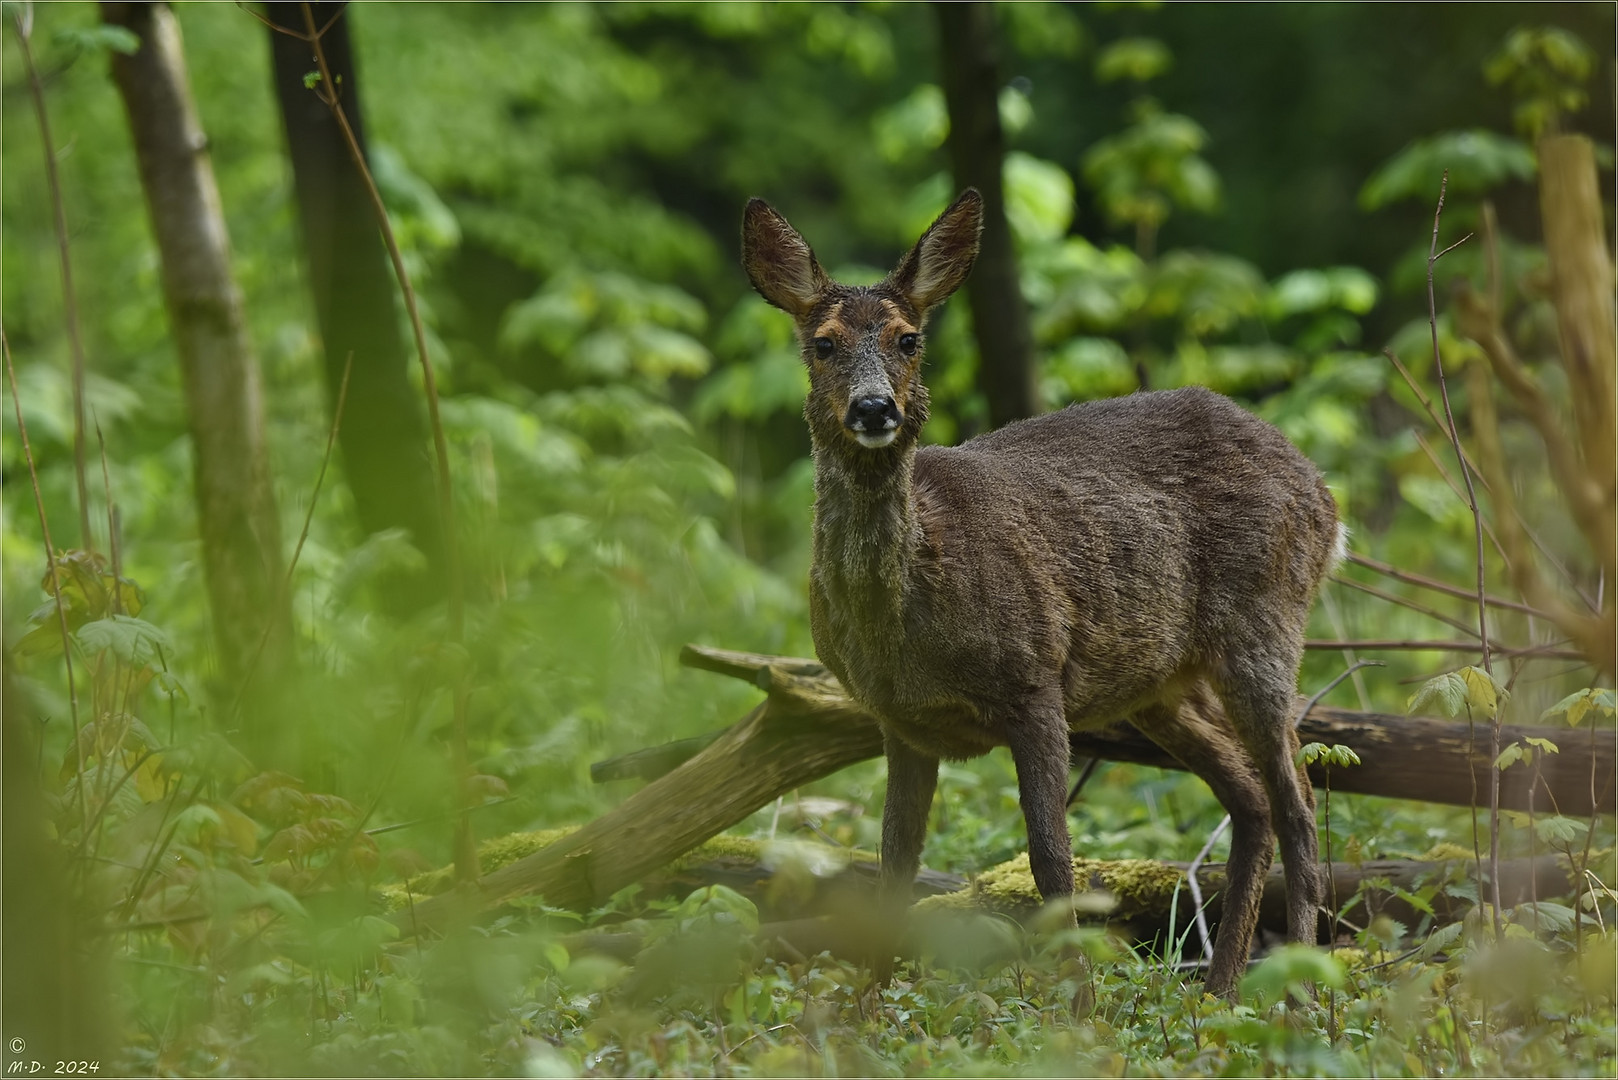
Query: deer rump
1135,545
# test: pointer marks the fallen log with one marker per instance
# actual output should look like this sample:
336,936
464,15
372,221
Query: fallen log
1140,900
807,728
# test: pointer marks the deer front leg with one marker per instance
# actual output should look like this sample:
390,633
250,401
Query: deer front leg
1040,749
912,779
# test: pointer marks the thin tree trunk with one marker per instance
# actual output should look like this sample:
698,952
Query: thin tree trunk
241,533
1583,291
382,436
977,152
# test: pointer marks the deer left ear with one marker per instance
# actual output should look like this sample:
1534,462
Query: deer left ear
943,256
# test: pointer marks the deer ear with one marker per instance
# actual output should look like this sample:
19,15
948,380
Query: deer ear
943,256
778,261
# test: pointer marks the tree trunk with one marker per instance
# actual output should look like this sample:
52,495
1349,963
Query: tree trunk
241,533
1582,288
383,440
807,728
977,152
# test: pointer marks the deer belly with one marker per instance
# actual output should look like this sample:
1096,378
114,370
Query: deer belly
951,732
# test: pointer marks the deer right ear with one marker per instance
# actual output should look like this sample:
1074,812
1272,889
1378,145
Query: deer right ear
943,256
778,261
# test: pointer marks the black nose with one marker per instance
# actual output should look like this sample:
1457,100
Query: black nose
872,414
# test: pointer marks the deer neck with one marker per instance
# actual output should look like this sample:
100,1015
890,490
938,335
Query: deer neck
866,532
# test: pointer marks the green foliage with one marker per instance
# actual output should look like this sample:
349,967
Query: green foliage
1143,173
1581,703
1546,68
1476,161
1337,754
1136,59
1471,690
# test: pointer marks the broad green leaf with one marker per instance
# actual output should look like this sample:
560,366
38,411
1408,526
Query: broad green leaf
1477,161
1484,693
1288,968
1137,59
132,640
1039,198
1558,829
1439,940
1446,693
1544,744
1578,705
1511,755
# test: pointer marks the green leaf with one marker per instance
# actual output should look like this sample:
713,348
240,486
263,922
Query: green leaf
1484,693
1544,744
1447,693
916,124
556,955
1477,161
1039,198
1558,829
310,78
1288,968
1137,59
1343,755
101,38
1511,755
1578,705
134,641
1439,940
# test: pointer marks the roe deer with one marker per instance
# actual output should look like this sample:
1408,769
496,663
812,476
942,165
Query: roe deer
1150,558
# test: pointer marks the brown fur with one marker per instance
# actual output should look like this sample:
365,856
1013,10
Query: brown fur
1149,558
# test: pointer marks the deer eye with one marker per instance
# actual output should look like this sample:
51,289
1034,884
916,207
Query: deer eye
908,343
824,347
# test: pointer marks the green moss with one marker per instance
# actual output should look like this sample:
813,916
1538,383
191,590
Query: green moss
718,847
1124,888
1445,850
493,853
500,851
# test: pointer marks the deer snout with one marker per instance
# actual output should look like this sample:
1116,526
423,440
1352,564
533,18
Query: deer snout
874,420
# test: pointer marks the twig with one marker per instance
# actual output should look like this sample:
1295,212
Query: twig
1444,475
465,850
1540,652
1453,246
1553,446
1334,615
112,524
1406,602
1439,586
1449,419
56,580
1483,600
70,308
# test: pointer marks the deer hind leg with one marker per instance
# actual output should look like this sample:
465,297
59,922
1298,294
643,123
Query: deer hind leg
1039,747
1259,689
1197,733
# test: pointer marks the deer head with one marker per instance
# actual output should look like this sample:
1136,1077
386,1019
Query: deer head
863,345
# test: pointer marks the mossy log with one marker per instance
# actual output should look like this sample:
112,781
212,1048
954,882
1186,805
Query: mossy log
1141,900
807,728
811,896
